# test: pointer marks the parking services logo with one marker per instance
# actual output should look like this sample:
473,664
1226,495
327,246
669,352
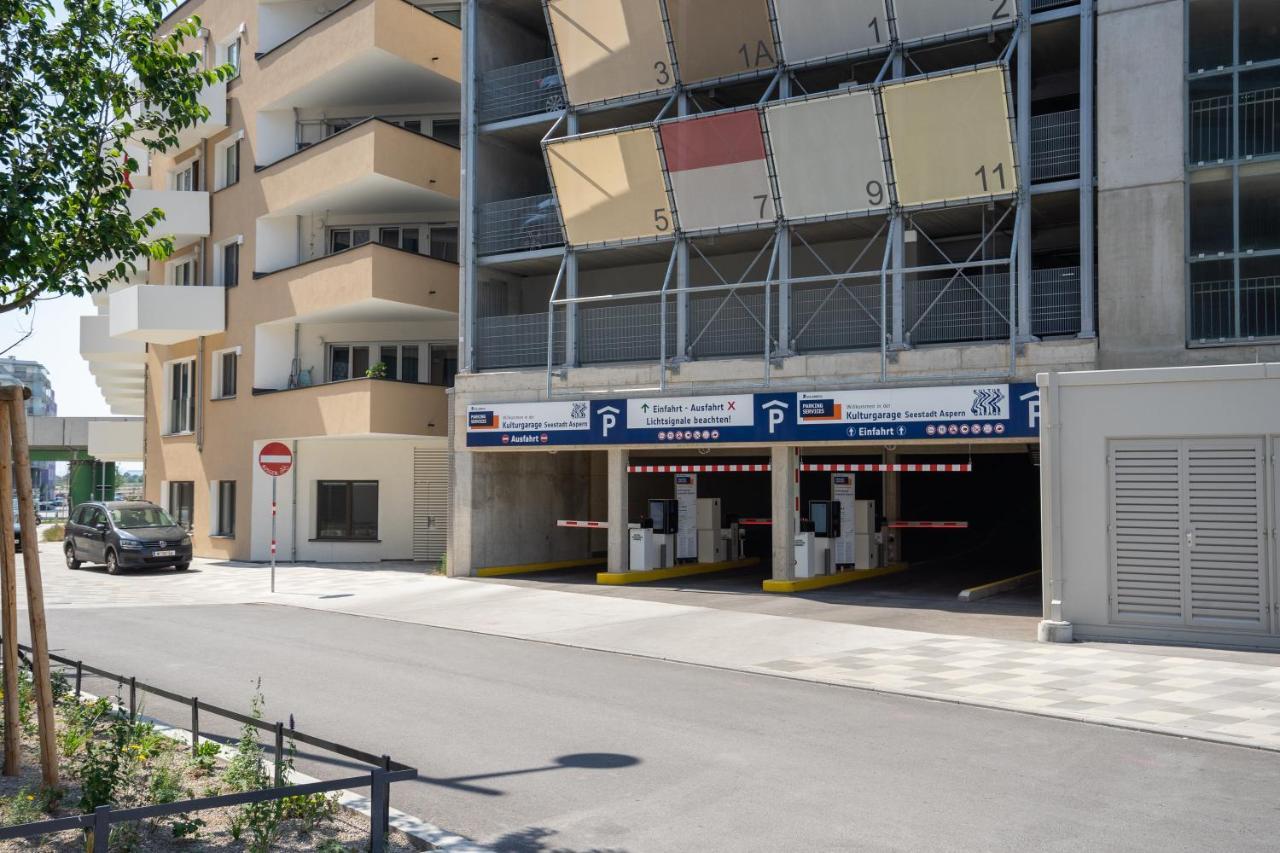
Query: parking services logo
987,402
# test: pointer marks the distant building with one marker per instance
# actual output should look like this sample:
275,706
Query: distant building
35,376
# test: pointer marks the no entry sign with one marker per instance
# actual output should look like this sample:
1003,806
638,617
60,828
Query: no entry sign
275,459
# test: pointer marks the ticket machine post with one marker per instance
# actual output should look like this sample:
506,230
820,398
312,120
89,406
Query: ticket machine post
653,542
813,542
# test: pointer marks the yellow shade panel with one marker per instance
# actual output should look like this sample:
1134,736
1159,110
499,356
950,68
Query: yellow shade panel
610,48
610,187
718,38
950,137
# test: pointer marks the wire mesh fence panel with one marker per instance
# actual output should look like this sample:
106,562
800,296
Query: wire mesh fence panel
1260,307
1055,145
953,310
627,332
1260,122
839,318
1055,301
732,327
1041,5
519,225
520,90
516,340
1210,129
1213,310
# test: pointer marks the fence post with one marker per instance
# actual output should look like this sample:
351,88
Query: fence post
279,754
79,677
133,697
377,811
386,799
101,829
195,726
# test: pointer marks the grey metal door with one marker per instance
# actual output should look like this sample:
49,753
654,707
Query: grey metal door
430,503
1147,558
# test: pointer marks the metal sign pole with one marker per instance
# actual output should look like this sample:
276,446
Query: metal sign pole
273,533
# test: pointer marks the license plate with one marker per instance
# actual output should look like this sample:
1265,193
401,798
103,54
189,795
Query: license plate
164,553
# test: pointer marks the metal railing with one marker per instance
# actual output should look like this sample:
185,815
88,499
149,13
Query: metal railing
1055,146
1041,5
527,89
383,771
824,318
1259,119
516,340
1216,311
518,225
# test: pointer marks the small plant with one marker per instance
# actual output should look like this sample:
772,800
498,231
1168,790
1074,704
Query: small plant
106,768
125,838
53,533
331,845
166,785
185,826
24,807
377,370
206,757
311,811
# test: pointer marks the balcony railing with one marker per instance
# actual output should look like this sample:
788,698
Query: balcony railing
1214,309
824,319
1259,118
519,225
527,89
1042,5
1055,146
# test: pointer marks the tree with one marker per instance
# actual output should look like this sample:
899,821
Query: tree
80,84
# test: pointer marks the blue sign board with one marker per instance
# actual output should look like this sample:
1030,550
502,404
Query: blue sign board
951,413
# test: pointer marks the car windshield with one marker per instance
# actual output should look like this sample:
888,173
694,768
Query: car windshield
134,517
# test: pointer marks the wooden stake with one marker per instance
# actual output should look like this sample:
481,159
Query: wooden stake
9,601
35,590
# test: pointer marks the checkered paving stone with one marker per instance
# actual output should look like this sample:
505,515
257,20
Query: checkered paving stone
1207,699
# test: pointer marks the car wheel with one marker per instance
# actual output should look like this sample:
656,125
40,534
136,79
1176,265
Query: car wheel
72,562
181,567
113,565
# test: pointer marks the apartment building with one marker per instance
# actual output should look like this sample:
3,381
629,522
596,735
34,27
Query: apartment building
769,242
312,297
43,403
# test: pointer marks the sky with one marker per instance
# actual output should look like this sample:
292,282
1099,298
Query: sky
55,343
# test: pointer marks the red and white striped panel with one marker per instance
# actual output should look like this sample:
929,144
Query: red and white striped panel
929,525
593,524
901,468
755,522
698,469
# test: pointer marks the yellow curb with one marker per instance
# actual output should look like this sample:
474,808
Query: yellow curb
530,568
620,578
976,593
805,584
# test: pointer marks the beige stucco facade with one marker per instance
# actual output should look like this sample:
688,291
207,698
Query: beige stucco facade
343,121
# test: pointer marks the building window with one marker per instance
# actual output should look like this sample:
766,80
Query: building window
187,178
229,54
1233,186
225,365
347,509
231,264
182,502
183,273
181,398
231,164
403,361
225,497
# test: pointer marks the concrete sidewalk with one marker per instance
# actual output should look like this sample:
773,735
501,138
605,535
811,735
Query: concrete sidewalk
1223,697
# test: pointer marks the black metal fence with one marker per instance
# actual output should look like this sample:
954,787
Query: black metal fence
382,770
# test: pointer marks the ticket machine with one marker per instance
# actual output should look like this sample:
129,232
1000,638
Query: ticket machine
813,541
653,541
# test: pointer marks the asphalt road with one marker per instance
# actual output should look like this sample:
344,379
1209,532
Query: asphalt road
532,747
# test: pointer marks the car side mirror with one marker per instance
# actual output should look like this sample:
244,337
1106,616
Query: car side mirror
101,526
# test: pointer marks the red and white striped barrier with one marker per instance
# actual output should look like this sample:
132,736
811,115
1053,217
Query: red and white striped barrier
929,525
596,525
698,469
755,522
900,468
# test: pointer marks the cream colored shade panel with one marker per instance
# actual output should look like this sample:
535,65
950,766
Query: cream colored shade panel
827,155
719,38
919,19
950,137
610,187
812,29
610,48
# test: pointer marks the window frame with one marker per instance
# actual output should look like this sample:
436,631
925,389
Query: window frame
374,348
173,510
222,161
188,366
191,264
224,522
348,520
220,260
219,389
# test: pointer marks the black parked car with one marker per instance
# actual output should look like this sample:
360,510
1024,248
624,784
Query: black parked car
125,535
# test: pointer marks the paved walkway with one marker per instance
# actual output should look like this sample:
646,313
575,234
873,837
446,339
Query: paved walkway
1219,696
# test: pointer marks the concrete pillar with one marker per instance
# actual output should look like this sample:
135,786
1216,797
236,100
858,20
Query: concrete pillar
682,270
458,557
1024,270
891,508
618,459
785,480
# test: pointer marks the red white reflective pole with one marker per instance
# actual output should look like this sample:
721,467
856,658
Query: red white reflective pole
273,533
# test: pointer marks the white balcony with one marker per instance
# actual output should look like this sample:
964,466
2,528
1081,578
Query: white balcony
186,214
98,347
116,440
214,99
167,314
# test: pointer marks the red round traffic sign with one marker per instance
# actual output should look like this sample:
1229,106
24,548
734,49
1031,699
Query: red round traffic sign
275,458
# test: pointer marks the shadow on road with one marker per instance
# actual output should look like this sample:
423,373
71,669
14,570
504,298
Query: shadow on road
580,761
